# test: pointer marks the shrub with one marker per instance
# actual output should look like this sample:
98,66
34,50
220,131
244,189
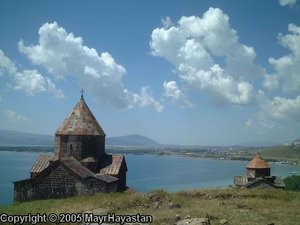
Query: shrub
292,183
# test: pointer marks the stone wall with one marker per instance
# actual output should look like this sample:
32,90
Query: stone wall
92,186
122,178
23,190
93,146
79,146
59,182
253,173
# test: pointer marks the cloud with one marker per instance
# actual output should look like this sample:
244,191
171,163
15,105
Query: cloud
287,67
29,81
197,48
15,117
287,2
144,99
270,82
283,109
167,22
6,65
276,113
281,112
219,85
172,91
32,82
65,56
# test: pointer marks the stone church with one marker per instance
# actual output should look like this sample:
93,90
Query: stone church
79,166
259,175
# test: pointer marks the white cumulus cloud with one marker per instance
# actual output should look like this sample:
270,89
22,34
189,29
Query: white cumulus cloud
6,65
172,91
287,2
167,22
65,56
279,112
219,85
287,67
283,109
194,46
29,81
143,99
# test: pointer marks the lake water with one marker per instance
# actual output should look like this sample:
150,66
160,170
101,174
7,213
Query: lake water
145,172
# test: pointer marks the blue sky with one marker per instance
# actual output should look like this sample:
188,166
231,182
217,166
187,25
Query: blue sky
184,72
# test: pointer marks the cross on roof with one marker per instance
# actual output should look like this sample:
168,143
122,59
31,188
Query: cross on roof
82,91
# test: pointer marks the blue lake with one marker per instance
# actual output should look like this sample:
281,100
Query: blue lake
145,172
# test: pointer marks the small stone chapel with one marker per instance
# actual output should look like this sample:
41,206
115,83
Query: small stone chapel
80,166
259,175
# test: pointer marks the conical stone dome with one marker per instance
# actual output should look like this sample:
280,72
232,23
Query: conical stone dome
258,163
80,121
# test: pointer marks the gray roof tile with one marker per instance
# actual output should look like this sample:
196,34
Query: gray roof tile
111,165
41,163
80,121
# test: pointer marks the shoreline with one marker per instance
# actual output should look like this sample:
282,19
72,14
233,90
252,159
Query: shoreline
191,162
185,153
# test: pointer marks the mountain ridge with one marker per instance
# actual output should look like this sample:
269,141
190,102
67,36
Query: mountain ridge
131,140
18,138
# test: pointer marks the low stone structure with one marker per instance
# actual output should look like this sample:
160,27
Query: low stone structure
259,175
79,166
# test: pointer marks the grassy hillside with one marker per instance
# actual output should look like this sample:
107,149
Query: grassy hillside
281,153
236,206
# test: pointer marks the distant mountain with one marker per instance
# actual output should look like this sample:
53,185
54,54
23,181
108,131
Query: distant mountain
131,140
17,138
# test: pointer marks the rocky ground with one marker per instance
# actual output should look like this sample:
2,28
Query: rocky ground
215,207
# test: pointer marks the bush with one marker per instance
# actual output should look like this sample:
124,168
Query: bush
292,183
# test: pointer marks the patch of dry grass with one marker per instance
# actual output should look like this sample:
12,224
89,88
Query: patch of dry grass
237,206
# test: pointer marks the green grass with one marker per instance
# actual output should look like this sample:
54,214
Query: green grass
281,153
237,206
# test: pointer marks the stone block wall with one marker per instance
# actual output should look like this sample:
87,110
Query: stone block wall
122,179
59,183
253,173
79,146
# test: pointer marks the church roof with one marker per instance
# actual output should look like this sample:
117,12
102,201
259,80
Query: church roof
112,164
88,160
260,180
41,163
106,178
274,181
76,167
80,121
43,167
258,163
